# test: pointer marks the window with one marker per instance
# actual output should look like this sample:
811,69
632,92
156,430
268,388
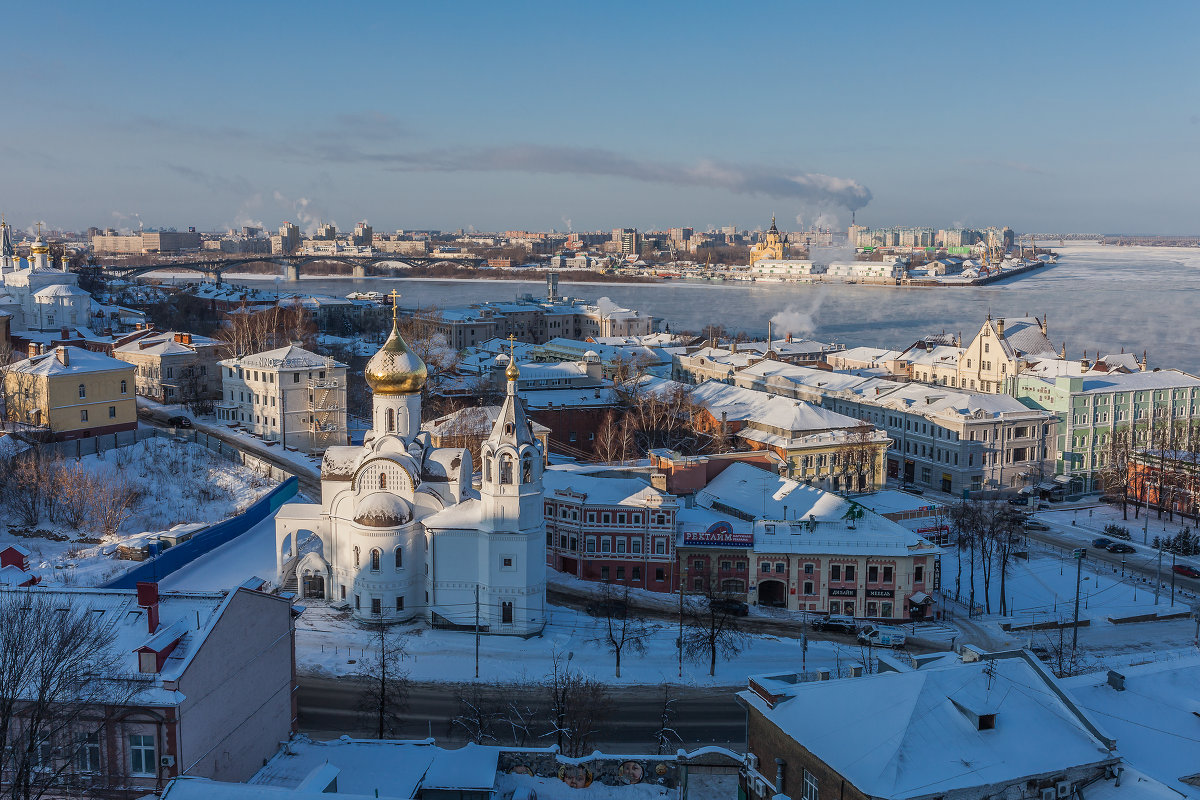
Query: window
357,560
506,470
357,603
376,606
635,546
660,547
606,545
399,603
375,559
780,567
604,573
506,612
141,755
82,391
849,572
123,387
391,420
382,480
590,544
698,565
620,573
295,377
659,574
637,573
83,415
887,574
810,786
808,569
885,610
872,574
698,584
621,545
835,607
835,572
919,574
508,562
766,567
808,587
87,758
726,565
399,558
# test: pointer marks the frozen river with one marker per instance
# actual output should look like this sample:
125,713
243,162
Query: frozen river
1097,297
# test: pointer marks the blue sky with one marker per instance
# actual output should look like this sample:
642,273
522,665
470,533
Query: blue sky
1043,116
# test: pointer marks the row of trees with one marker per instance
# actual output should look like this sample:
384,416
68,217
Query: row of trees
987,532
1160,458
40,484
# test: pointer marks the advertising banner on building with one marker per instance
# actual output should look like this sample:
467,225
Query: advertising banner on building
719,534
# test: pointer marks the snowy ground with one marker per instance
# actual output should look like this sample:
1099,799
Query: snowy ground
180,483
250,555
1043,588
328,642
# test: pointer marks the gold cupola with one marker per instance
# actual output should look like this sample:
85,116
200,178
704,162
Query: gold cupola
395,369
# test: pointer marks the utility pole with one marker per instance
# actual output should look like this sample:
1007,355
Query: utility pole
477,630
682,586
1158,573
1079,553
1172,579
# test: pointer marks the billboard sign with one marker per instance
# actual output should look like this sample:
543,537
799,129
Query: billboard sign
719,534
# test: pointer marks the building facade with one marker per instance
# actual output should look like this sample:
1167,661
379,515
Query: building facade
72,393
173,367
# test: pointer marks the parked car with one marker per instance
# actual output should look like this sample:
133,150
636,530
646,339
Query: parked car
727,605
835,623
1120,547
1102,543
1112,499
881,636
1019,500
1187,570
179,421
607,608
912,490
1034,525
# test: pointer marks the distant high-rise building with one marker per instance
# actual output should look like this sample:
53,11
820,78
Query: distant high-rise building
288,240
363,235
326,232
626,240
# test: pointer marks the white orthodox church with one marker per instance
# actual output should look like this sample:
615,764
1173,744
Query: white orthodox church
401,534
38,296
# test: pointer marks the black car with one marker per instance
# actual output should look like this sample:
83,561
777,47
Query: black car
835,623
1120,547
179,421
727,605
1102,543
1034,525
1019,500
607,608
912,490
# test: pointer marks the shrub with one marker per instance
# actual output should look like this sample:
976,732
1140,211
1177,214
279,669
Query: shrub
1117,531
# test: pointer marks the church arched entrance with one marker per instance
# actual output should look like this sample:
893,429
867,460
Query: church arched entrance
772,593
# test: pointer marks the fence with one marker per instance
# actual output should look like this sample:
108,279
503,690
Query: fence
174,558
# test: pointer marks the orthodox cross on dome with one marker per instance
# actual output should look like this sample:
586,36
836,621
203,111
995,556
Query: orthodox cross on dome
512,345
395,305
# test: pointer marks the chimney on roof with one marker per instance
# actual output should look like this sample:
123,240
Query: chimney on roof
147,598
1000,327
1145,362
179,338
1045,322
63,357
789,337
64,332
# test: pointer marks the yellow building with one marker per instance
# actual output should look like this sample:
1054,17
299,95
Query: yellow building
773,246
72,393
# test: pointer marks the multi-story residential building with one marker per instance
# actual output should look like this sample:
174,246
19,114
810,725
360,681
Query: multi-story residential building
1002,348
955,728
287,241
72,393
941,438
205,683
1090,407
626,241
363,235
619,530
173,367
286,394
790,545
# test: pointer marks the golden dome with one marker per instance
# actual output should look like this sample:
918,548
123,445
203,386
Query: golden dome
39,247
512,372
395,369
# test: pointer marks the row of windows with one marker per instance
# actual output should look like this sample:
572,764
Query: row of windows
610,517
83,413
377,555
621,545
143,757
83,389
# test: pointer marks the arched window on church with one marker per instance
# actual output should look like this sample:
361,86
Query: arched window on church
376,557
399,558
383,480
527,469
506,469
487,468
506,612
357,559
391,420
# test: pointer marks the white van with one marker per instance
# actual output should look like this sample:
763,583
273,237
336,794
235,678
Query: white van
881,636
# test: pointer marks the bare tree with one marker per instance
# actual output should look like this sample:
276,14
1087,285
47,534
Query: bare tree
622,628
578,705
53,654
477,716
666,735
115,499
711,628
857,457
1118,454
385,696
248,330
613,440
23,485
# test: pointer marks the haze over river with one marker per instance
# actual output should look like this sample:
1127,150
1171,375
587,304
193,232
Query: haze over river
1097,297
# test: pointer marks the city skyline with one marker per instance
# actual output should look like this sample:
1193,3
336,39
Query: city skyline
543,118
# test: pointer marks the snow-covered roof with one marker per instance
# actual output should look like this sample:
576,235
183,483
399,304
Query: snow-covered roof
80,361
60,290
460,516
284,358
472,421
1136,381
915,734
1154,718
766,410
599,490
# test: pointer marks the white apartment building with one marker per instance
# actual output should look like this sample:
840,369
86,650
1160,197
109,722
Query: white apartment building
287,394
